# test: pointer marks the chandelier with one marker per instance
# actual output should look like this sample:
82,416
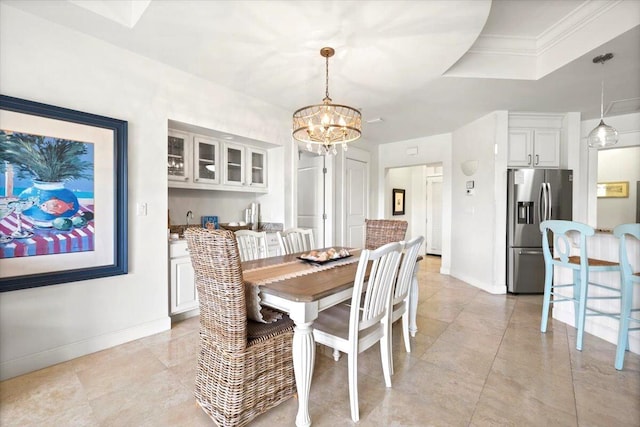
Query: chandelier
603,135
324,126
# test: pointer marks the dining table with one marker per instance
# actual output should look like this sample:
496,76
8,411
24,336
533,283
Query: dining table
302,289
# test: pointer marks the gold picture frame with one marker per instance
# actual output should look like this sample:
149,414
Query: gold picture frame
618,189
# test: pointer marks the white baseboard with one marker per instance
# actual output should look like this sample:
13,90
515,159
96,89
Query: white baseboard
492,288
43,359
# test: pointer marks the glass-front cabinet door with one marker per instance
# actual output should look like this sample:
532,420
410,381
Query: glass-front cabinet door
177,156
257,167
235,164
206,160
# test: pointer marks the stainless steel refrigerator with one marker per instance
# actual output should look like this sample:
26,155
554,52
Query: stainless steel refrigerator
533,195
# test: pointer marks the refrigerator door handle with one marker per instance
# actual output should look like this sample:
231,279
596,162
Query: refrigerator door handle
541,200
530,252
549,204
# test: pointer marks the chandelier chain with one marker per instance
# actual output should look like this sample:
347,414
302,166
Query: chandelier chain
326,87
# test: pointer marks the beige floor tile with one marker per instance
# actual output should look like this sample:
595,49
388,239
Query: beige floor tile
119,373
477,359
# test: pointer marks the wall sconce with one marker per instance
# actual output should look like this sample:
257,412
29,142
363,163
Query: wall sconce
469,167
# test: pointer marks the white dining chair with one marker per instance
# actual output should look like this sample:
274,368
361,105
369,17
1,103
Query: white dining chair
252,244
400,297
296,240
353,329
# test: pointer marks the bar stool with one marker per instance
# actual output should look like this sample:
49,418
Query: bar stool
582,266
628,280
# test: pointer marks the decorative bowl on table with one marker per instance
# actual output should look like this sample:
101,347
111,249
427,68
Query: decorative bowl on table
234,226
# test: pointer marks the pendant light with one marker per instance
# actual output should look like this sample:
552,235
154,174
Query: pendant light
603,135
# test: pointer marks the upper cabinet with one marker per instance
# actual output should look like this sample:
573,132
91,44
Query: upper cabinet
535,148
178,161
245,166
206,160
535,140
201,162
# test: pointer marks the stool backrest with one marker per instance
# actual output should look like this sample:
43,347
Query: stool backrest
564,233
623,232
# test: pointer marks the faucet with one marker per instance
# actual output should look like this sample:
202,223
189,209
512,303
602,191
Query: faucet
189,216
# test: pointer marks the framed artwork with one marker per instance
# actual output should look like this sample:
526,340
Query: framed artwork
398,202
613,189
63,195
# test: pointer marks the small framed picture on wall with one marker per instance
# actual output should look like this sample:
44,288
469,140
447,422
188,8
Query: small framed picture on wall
398,202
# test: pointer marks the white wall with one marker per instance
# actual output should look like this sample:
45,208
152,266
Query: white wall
45,62
477,251
622,164
419,151
628,127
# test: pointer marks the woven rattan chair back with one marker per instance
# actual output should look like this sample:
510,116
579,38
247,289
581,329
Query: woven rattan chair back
379,232
252,244
244,367
216,265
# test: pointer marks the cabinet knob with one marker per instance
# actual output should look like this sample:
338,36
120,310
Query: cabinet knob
529,159
186,178
196,179
537,159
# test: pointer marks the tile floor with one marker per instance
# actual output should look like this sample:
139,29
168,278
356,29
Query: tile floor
477,360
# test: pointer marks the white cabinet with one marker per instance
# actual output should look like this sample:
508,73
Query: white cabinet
206,160
183,294
201,162
178,156
245,167
536,148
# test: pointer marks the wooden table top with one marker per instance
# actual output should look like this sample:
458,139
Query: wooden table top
310,287
307,288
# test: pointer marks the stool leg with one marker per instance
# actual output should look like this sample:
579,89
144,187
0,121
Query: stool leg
581,287
548,283
623,331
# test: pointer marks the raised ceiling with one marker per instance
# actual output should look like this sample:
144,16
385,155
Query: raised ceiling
423,67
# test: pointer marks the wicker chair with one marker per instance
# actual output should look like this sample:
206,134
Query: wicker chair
382,231
244,367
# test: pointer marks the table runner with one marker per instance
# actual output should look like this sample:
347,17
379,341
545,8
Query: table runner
256,277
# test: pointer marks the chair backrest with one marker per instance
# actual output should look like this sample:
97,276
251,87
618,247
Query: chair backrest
252,244
382,231
296,240
564,233
407,266
220,287
623,232
368,308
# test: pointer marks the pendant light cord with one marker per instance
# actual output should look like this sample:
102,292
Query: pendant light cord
602,94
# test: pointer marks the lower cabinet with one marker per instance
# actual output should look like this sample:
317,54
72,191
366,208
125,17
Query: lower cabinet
183,294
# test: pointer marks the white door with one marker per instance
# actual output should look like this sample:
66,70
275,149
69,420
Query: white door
357,200
434,215
311,191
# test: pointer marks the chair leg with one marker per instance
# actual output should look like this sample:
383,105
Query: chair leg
623,331
385,356
405,331
581,289
353,386
336,354
546,302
